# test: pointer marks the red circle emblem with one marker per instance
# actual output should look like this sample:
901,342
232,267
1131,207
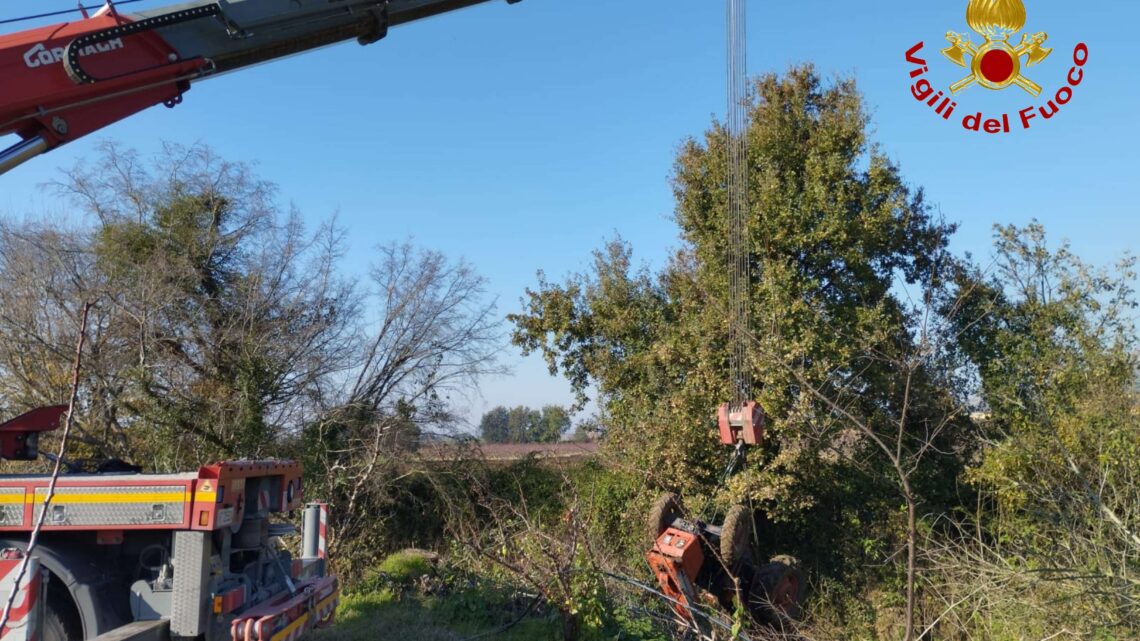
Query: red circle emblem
997,66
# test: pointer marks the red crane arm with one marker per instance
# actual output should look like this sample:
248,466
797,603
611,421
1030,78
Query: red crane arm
61,82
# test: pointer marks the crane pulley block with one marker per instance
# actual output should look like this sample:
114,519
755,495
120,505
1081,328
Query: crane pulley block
741,423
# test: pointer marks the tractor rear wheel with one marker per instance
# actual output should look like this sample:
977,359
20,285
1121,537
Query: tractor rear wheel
665,510
736,538
778,591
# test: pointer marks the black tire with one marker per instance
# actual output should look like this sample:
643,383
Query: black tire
665,510
778,592
736,538
61,622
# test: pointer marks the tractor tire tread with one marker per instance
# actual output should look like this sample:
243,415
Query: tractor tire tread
736,537
665,510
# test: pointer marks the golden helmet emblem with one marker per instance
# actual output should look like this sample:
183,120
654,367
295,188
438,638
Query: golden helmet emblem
995,64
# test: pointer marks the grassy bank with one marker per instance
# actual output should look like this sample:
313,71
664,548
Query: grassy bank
428,618
413,596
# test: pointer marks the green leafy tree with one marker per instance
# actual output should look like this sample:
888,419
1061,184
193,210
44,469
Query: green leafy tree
553,422
218,318
833,232
495,427
525,425
520,423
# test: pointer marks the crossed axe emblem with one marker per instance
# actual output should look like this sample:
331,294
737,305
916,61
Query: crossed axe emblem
995,64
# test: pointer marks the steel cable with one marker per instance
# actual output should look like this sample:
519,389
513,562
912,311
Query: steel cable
736,132
64,12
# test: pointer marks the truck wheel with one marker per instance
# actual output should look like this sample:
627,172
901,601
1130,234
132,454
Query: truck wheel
665,510
61,621
736,538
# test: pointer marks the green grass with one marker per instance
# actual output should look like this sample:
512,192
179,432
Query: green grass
384,614
391,603
413,597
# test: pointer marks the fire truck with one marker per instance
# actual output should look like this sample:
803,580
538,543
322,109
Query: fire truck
128,556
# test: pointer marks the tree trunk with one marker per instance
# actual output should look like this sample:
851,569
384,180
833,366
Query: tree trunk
911,552
571,626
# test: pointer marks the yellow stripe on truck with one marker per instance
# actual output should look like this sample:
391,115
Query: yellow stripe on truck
12,498
287,630
63,498
205,497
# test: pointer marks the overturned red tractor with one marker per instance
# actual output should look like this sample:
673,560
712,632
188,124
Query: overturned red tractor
698,563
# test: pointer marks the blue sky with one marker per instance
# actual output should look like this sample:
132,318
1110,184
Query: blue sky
521,136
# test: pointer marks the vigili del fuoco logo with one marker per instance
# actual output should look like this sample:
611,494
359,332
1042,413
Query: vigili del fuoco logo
995,64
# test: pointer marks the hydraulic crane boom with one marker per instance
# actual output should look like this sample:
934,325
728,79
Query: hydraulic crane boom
61,82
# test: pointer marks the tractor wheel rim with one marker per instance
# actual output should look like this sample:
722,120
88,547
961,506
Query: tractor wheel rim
786,592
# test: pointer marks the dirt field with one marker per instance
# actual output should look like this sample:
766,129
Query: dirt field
511,451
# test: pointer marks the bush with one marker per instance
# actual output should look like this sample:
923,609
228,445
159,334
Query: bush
405,566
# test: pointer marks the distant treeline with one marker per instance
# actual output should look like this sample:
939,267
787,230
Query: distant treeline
525,425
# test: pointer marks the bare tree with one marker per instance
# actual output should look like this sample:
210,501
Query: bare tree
47,270
222,328
433,335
